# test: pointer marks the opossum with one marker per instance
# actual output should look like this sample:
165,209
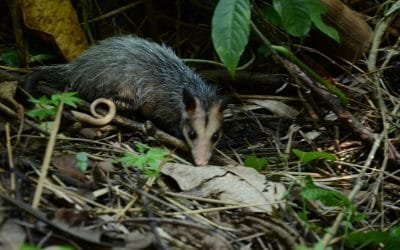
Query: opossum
143,76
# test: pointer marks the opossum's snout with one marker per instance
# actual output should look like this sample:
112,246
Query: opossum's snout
201,155
202,148
202,145
201,127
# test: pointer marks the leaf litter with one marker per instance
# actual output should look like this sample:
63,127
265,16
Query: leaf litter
98,203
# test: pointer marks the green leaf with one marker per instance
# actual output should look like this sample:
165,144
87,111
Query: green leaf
230,31
42,100
42,113
69,98
157,153
294,15
48,106
264,50
27,246
327,197
316,9
148,161
140,163
307,157
253,161
10,58
128,159
272,16
141,148
42,58
395,232
82,161
390,240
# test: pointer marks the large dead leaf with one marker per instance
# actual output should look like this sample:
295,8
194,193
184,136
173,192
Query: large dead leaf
58,19
68,170
234,183
12,235
7,93
276,107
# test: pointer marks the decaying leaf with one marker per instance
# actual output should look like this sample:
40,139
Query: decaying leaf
234,183
137,240
12,236
7,93
71,217
276,107
67,168
58,19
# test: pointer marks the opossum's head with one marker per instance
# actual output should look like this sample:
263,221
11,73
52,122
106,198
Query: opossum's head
201,126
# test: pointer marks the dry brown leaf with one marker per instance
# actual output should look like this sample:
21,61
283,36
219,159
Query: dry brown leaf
72,217
101,171
7,93
234,183
12,236
88,133
58,19
67,168
137,240
276,107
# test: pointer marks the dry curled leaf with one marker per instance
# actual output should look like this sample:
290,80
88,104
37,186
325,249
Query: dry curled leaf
58,19
276,107
7,93
12,235
234,183
67,168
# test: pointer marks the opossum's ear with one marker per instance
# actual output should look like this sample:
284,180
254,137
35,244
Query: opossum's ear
223,102
189,100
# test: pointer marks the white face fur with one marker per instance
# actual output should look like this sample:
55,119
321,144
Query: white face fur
201,129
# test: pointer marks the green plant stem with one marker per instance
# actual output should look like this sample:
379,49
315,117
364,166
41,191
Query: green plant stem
289,55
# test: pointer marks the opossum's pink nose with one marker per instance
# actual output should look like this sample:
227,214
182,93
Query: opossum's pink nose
201,159
201,154
200,162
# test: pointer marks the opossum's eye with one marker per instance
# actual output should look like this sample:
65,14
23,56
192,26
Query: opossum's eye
192,134
215,137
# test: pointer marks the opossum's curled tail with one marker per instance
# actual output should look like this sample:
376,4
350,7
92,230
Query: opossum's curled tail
145,77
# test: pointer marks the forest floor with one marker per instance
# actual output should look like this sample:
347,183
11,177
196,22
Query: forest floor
294,167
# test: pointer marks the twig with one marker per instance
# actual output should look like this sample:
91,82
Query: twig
47,156
6,110
116,11
379,31
359,183
79,233
10,160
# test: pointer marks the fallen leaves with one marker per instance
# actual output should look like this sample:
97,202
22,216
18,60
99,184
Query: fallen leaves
236,184
58,19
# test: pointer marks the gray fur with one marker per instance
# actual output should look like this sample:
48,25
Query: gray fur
138,75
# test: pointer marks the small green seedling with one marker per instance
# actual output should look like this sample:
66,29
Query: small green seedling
390,239
148,159
255,162
307,157
82,161
329,198
27,246
47,107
